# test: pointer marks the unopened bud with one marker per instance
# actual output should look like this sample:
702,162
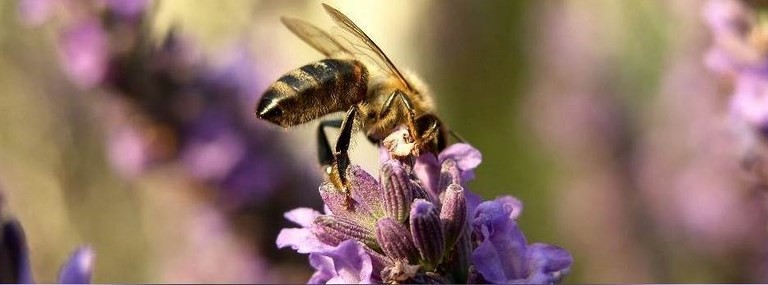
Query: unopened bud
426,232
395,240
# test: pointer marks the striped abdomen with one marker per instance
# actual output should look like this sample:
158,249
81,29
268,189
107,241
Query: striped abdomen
314,90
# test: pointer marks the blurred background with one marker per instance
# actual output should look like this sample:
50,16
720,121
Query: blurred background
132,130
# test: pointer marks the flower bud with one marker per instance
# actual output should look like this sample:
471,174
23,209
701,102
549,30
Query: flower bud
334,230
426,232
395,240
460,257
449,174
398,192
453,215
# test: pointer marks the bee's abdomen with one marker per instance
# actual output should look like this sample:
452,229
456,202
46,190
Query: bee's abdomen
314,90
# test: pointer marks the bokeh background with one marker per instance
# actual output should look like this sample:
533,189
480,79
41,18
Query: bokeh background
599,115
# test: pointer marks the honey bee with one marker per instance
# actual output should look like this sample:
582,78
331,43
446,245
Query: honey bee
356,77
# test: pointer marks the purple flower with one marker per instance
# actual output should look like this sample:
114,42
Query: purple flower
503,255
397,230
13,250
467,158
347,263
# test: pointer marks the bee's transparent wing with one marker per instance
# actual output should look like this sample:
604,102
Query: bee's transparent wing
361,46
317,38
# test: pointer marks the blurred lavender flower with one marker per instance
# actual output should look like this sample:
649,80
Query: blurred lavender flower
167,103
740,51
171,103
397,231
14,258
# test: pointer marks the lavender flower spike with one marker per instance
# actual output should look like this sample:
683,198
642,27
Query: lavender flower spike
448,237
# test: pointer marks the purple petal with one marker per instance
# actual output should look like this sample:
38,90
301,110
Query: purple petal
302,216
347,263
501,255
512,206
384,154
300,239
325,269
79,267
466,157
473,200
84,50
427,169
547,263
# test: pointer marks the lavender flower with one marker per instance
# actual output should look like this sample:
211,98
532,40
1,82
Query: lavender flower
740,51
168,104
14,259
171,103
398,231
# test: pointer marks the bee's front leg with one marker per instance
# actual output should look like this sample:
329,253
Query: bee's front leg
409,112
335,162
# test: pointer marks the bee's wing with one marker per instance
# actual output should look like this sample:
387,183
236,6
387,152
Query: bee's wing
317,38
359,44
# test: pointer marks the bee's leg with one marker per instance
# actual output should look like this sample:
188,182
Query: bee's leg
341,151
407,105
433,137
335,161
324,150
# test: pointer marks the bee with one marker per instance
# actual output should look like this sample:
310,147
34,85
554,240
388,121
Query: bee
356,77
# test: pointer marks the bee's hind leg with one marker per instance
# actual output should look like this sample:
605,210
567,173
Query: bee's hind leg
336,161
324,150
